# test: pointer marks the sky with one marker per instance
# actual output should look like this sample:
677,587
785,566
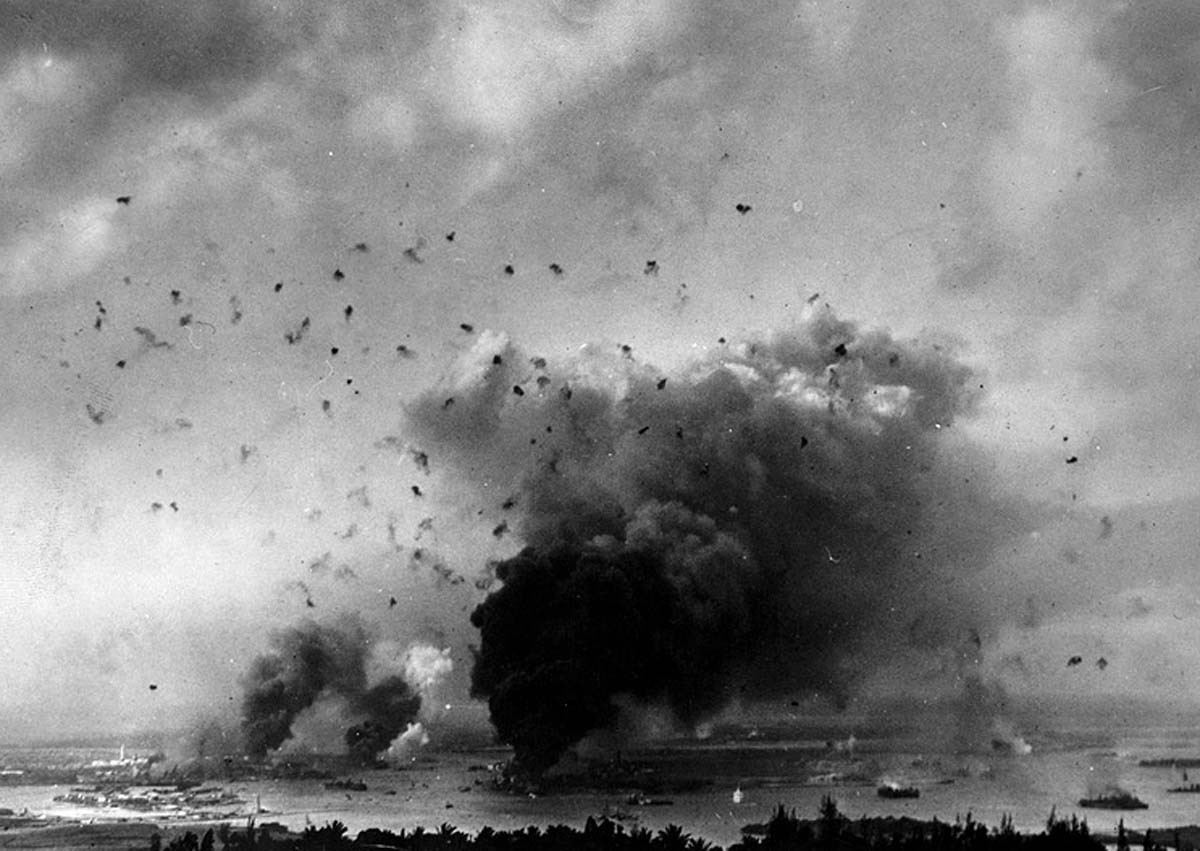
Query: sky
244,242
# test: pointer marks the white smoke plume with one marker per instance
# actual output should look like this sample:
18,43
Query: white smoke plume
426,666
414,737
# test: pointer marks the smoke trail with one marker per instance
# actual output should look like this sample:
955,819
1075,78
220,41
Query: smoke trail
770,520
312,660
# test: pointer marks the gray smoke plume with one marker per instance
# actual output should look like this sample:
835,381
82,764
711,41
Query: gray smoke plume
311,660
771,520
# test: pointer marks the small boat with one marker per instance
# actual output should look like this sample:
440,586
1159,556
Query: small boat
1115,801
895,790
347,785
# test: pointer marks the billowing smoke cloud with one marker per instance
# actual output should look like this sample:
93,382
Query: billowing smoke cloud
390,706
426,666
776,518
305,661
312,660
414,737
660,614
395,704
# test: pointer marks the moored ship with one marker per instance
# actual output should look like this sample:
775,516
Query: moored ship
1114,801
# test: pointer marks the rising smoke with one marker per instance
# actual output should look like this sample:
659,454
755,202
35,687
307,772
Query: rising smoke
312,661
773,519
390,706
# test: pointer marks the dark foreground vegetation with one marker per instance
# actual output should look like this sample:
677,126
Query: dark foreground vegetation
783,832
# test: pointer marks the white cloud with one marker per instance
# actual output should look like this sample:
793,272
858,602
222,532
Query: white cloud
509,64
61,247
830,24
36,89
1063,93
386,118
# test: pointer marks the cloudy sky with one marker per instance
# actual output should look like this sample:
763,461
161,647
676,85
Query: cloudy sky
242,237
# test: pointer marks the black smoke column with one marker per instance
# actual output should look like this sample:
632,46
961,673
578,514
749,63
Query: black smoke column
575,626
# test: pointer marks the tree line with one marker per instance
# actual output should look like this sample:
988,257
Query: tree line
784,831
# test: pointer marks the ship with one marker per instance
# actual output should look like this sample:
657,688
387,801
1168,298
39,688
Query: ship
1190,789
1171,762
895,790
347,785
1115,801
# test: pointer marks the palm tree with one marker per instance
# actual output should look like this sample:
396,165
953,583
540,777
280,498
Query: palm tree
672,838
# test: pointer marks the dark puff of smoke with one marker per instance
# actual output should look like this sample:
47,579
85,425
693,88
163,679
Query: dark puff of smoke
311,660
771,520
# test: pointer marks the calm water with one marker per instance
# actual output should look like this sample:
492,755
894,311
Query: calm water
1068,761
